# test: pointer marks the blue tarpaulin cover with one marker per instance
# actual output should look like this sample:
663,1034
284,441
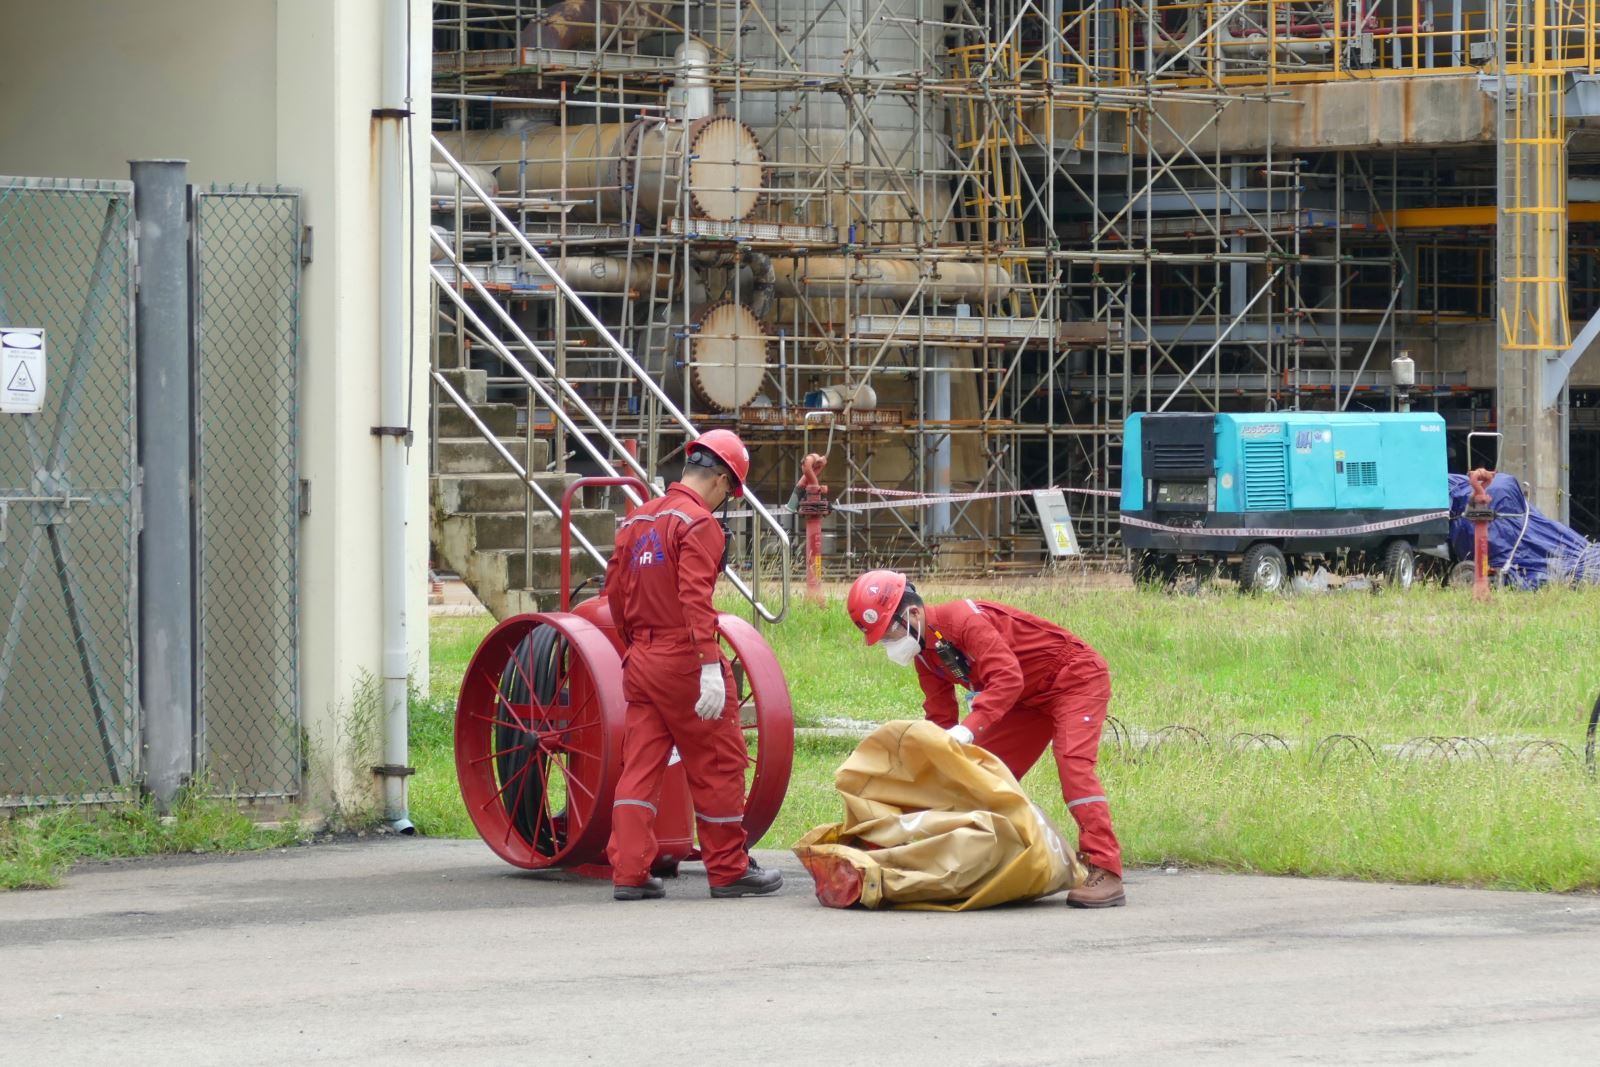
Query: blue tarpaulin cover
1544,550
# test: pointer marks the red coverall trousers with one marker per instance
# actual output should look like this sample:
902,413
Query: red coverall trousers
661,682
1068,718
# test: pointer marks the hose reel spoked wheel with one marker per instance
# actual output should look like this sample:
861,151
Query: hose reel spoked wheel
767,717
539,740
536,658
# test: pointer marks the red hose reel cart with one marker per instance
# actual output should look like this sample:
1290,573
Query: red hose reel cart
539,732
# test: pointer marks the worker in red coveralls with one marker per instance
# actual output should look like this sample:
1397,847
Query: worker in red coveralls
1033,684
678,686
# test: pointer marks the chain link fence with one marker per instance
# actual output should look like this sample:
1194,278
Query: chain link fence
247,253
69,728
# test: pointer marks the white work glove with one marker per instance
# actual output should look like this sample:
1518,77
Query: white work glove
960,734
713,694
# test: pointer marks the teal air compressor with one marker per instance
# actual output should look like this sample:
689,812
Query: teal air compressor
1260,496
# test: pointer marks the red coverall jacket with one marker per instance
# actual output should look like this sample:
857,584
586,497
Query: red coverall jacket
1036,684
664,571
659,584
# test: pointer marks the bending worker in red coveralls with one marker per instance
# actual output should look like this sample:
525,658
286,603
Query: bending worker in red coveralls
1034,685
678,686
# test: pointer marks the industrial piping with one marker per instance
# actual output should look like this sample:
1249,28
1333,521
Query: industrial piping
394,434
951,281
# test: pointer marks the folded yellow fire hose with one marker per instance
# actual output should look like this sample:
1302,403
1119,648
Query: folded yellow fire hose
935,825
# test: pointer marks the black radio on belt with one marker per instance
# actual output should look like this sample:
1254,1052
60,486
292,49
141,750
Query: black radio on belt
954,660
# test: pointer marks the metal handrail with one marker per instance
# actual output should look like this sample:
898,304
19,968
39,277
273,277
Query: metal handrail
626,358
520,369
505,454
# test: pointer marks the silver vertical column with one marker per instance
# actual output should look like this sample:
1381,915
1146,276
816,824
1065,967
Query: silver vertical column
938,406
166,600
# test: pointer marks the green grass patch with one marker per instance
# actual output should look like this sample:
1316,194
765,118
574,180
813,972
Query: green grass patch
38,848
1468,822
1387,668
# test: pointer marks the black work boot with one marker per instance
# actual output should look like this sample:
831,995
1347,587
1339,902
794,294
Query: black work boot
652,889
755,882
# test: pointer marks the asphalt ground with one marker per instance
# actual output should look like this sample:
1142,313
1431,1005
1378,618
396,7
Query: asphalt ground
401,950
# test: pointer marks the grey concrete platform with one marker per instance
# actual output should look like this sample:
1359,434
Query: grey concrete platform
423,951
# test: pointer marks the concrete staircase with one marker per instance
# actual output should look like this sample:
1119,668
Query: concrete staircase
478,516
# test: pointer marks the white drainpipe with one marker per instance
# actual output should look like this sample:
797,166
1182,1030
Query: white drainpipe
394,271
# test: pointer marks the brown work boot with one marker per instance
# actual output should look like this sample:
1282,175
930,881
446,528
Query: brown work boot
1101,889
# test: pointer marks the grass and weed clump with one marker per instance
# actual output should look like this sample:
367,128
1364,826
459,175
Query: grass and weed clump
38,848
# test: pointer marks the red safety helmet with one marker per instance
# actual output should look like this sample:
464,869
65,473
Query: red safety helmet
726,446
873,600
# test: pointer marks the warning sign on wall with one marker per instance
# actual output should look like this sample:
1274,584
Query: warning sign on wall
21,370
1056,521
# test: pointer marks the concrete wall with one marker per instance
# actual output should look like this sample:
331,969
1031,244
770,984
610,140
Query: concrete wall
1471,348
266,92
87,85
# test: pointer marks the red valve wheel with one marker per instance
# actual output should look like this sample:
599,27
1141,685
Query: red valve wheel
768,720
539,740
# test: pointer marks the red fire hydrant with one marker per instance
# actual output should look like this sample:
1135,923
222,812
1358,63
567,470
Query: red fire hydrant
813,504
1480,513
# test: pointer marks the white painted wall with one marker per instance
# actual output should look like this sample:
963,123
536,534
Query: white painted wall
87,85
327,85
264,91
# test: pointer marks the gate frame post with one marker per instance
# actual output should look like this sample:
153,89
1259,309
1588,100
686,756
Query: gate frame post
165,416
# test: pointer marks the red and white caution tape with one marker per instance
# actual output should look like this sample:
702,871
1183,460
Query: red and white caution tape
904,498
1262,531
981,495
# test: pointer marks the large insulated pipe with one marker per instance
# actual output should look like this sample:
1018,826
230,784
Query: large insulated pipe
691,93
442,181
889,279
617,164
394,367
608,275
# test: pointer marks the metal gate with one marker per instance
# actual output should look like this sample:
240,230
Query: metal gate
246,246
69,727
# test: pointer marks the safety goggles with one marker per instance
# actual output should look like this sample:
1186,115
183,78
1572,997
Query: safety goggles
897,629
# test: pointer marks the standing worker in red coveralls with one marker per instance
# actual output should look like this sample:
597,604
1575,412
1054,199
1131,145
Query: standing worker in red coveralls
678,686
1034,684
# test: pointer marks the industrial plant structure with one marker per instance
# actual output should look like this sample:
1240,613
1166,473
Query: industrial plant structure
954,245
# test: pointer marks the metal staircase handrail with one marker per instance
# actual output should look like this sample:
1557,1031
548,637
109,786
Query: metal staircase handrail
522,371
523,473
639,373
534,387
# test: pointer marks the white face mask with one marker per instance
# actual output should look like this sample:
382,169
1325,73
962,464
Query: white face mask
902,651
